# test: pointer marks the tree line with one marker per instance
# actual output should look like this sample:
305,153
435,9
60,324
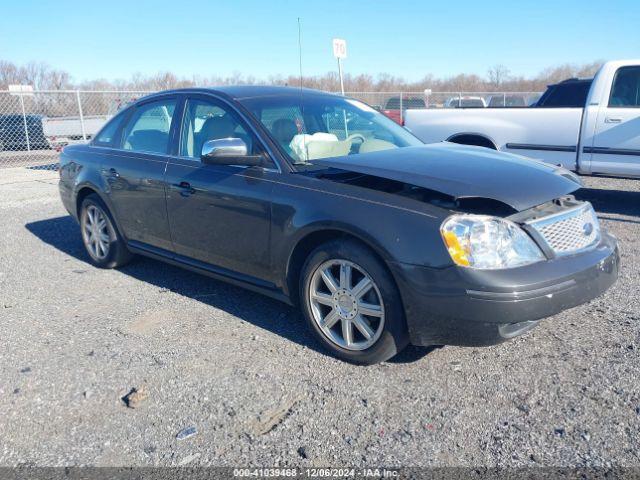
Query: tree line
498,78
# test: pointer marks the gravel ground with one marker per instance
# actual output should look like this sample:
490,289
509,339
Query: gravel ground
244,372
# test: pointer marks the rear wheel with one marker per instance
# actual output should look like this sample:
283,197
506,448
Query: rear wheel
103,243
352,304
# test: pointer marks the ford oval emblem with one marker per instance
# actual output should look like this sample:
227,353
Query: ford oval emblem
587,229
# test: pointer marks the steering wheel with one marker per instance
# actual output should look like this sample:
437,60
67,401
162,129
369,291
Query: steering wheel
354,147
353,136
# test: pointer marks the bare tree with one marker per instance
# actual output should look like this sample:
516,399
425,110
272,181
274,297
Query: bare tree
498,74
43,77
39,75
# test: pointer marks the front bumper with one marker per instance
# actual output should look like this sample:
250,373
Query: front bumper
463,306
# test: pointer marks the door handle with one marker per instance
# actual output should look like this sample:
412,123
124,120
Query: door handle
612,120
185,188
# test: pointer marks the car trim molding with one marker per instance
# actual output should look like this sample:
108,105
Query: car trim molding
541,147
611,151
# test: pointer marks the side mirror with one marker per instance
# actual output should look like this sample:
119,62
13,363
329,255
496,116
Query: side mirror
229,151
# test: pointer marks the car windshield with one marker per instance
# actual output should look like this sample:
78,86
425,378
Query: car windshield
311,127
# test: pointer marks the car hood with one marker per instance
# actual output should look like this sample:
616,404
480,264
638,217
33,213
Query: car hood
462,171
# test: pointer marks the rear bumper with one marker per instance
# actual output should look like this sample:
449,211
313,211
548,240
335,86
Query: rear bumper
461,306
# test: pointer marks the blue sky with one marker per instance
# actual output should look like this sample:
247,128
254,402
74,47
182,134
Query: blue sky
114,39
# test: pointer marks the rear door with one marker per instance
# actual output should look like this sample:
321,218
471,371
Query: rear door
615,148
134,172
220,215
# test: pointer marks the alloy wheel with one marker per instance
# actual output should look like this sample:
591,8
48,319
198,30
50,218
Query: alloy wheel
346,304
96,232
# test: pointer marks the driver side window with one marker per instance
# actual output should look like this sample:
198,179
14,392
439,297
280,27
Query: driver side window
626,88
204,121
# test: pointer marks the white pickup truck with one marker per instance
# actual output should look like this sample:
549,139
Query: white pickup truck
589,126
62,131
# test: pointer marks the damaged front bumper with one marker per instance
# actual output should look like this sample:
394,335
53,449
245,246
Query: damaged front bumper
468,307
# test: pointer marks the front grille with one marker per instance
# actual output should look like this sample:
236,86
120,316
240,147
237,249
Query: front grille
569,231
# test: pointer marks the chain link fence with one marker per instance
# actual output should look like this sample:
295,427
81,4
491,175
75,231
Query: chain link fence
35,126
394,104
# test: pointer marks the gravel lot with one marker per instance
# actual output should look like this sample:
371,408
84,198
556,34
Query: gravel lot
244,372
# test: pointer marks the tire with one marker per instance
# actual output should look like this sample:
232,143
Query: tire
103,243
358,321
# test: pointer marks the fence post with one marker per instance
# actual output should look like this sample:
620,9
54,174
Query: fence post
401,112
459,99
504,99
24,120
84,134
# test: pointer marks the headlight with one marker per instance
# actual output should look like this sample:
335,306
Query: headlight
485,242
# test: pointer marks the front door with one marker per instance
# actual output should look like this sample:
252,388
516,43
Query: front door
616,144
219,214
134,171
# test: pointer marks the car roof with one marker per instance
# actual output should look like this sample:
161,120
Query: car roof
239,92
573,80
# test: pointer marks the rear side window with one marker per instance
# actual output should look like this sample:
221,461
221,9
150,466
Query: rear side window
625,91
571,94
393,104
407,103
148,128
107,134
472,103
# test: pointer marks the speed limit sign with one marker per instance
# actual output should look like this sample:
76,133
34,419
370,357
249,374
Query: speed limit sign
339,48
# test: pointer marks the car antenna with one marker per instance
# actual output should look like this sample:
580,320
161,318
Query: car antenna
304,147
300,52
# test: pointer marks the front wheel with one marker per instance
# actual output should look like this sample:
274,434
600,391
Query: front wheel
103,243
352,304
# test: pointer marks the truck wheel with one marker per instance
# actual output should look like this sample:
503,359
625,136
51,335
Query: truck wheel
352,304
102,241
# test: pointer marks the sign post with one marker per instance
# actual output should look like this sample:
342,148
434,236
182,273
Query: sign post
340,52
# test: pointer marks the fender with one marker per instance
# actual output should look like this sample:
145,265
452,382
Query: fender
295,257
345,228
